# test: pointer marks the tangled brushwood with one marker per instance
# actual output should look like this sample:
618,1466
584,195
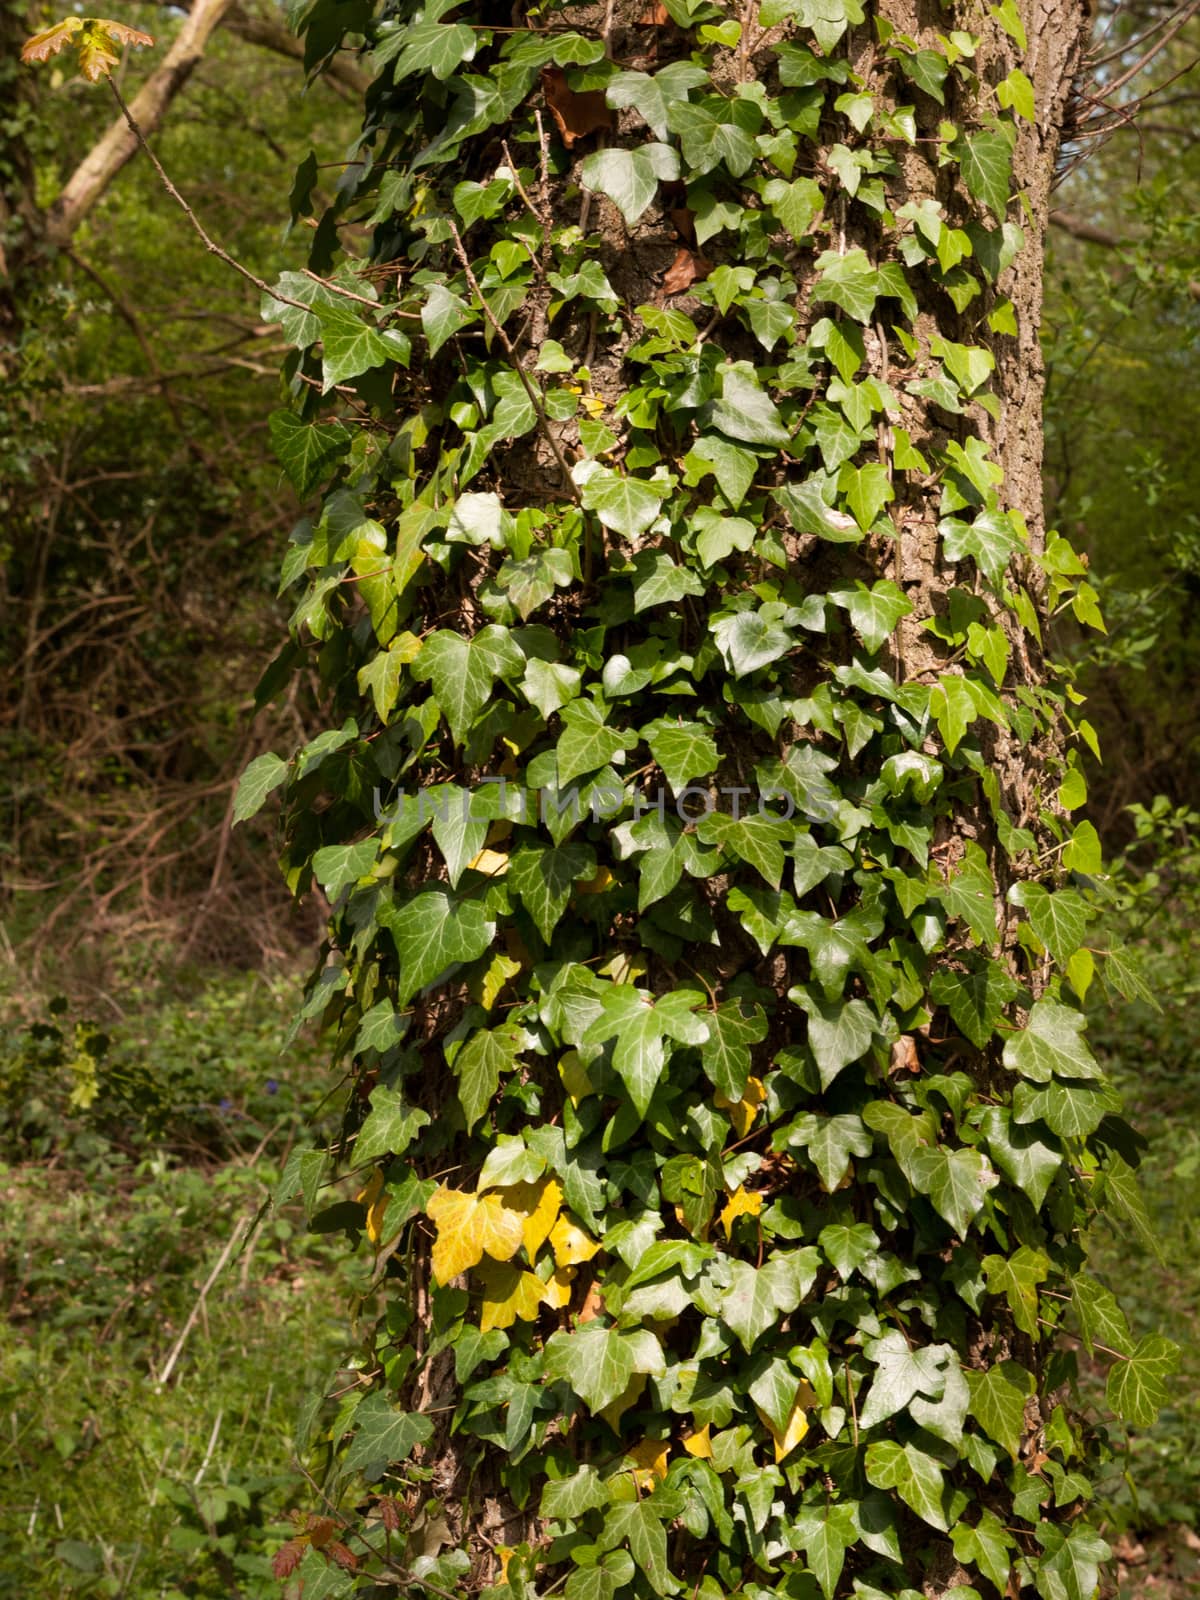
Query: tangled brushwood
727,1166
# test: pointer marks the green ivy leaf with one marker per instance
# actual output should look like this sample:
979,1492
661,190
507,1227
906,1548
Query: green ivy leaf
433,931
261,778
998,1402
630,178
383,1436
543,877
986,163
1136,1388
1051,1045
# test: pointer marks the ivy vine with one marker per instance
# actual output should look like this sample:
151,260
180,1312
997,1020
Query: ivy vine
710,917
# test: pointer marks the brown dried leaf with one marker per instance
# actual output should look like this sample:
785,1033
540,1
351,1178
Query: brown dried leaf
904,1055
684,221
655,15
577,115
389,1513
686,268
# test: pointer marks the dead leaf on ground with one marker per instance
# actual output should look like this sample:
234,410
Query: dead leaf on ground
577,114
655,15
685,270
904,1054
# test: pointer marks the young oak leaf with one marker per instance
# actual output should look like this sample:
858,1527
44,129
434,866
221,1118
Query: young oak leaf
95,40
470,1226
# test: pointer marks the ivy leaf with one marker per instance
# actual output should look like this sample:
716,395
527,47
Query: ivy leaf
568,1499
998,1402
915,1476
1101,1320
970,895
1051,1045
716,132
757,1296
442,315
588,742
390,1126
426,47
306,450
901,1374
839,1031
725,1055
261,778
1060,920
757,839
867,490
1017,1277
1020,1153
652,97
748,641
626,504
684,750
470,1226
1071,1568
349,346
630,178
987,1546
825,1535
849,281
660,581
976,998
382,1436
543,876
956,1181
874,611
1136,1388
598,1363
746,412
1072,1110
990,541
463,671
638,1524
433,931
478,1066
797,205
830,1142
986,163
641,1025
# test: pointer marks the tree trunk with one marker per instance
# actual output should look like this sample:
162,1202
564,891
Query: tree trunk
702,479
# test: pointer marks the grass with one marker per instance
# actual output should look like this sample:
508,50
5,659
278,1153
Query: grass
146,1427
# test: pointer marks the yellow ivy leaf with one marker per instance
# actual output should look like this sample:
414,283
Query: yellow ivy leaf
556,1291
571,1244
743,1113
597,885
629,1396
470,1226
509,1294
505,1552
697,1444
624,968
539,1203
493,862
650,1457
485,988
575,1078
372,1196
742,1202
797,1423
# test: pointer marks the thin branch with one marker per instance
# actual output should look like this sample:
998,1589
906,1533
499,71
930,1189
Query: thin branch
534,393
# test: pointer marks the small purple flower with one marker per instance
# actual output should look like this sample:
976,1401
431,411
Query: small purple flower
272,1086
224,1105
